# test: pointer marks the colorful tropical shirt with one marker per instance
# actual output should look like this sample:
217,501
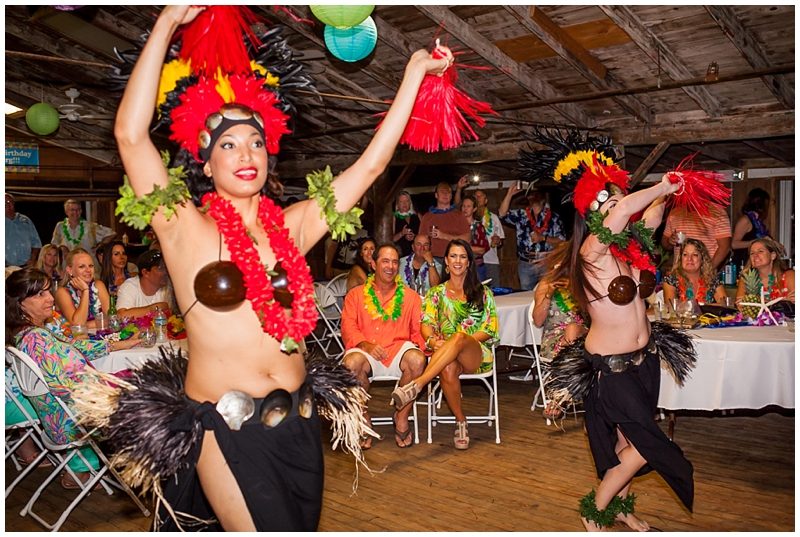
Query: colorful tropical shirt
563,312
448,315
61,364
526,248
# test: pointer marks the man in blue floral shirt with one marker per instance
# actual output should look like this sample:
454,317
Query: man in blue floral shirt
539,230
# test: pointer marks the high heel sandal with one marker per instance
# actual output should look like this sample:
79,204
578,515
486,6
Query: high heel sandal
461,437
403,395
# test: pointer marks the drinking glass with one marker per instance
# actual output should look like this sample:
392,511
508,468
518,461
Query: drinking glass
100,321
148,337
685,309
79,330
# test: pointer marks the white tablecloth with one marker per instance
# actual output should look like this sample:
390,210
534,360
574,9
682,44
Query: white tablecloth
512,316
741,367
129,358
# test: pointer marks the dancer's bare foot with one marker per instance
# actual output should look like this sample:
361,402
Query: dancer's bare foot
633,522
591,526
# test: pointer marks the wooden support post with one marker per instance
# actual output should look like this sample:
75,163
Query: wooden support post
382,208
648,163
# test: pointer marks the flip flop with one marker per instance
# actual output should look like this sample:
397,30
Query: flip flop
75,486
403,435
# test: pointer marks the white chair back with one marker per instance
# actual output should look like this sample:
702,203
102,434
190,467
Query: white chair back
338,288
29,377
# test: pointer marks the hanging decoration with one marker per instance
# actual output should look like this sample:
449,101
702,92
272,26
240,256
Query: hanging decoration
42,119
352,44
342,17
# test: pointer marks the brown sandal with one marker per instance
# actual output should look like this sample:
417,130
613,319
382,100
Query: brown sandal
403,395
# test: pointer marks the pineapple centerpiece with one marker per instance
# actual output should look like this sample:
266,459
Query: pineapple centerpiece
752,293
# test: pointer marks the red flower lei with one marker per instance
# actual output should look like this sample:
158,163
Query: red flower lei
686,291
536,228
634,255
259,289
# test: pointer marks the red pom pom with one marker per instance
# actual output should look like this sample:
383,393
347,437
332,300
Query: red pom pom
437,119
214,39
700,188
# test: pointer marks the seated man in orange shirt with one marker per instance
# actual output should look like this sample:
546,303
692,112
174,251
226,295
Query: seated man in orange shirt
380,329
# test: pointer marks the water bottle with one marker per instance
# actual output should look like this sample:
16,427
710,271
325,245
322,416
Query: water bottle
730,268
113,320
160,323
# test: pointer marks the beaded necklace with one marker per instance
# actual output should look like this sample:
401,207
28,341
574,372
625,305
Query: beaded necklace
434,210
68,235
373,303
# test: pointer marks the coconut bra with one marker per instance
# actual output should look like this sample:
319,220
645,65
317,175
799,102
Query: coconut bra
622,289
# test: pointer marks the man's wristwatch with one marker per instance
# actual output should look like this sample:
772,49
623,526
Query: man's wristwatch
431,264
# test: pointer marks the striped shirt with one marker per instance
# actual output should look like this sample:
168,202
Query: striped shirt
707,229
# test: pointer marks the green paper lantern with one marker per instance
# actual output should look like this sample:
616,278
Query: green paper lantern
342,16
42,119
352,44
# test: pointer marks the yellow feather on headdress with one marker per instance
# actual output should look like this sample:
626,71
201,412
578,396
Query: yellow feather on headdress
269,79
575,159
224,87
170,74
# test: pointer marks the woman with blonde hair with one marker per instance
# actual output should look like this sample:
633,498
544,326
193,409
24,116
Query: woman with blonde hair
81,298
693,276
776,280
48,262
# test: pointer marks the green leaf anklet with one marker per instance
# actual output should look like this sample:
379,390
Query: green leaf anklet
605,517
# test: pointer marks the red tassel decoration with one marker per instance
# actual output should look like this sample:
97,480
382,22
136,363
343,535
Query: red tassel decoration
214,39
437,121
700,188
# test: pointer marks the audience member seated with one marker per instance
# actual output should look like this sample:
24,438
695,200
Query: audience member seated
381,334
776,280
115,266
81,297
365,264
713,230
29,304
142,294
693,276
478,241
750,225
442,222
405,223
420,271
49,263
557,313
459,324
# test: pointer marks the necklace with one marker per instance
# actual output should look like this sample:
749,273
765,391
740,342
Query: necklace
631,245
423,271
539,229
68,235
373,303
686,290
402,216
260,291
770,287
758,224
486,220
434,210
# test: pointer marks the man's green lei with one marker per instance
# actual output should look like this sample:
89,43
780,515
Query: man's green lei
643,233
340,224
138,212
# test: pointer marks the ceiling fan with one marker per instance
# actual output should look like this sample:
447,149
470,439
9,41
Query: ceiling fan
72,110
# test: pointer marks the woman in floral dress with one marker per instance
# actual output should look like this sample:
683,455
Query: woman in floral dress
459,324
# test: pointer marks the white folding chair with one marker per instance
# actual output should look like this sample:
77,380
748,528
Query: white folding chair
330,338
30,426
32,384
338,288
387,420
492,416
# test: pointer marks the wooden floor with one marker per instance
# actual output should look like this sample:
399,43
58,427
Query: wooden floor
744,478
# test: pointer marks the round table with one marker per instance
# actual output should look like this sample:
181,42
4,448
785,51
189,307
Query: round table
130,358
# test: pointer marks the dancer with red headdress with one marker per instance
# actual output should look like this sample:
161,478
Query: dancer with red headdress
239,436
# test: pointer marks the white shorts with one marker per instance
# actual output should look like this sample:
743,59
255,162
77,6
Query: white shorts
380,370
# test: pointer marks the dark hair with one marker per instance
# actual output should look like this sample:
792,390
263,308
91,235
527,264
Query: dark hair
383,245
199,184
359,260
473,288
566,261
150,259
107,271
22,284
758,202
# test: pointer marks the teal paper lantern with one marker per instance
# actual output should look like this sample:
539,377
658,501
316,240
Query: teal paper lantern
352,44
42,119
342,16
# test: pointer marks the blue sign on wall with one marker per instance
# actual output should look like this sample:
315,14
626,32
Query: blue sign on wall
22,157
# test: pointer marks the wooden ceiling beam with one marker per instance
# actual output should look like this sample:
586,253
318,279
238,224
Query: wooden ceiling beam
649,162
521,74
563,44
105,20
772,151
752,52
715,153
654,47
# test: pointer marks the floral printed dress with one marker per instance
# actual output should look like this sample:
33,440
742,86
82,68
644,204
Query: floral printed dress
563,312
447,315
60,362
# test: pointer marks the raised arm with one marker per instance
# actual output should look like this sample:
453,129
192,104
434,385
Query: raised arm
140,157
633,203
506,203
303,218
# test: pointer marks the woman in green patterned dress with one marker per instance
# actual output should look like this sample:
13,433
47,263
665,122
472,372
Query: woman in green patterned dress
459,324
